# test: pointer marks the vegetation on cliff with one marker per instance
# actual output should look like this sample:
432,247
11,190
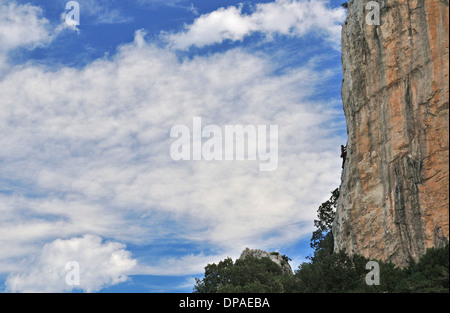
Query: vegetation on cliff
328,271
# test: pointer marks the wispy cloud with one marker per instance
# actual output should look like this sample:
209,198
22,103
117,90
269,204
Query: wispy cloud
86,155
95,150
182,266
99,12
284,17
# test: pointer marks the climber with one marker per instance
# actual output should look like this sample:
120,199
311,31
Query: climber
343,154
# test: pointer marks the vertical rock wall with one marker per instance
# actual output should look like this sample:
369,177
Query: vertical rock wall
395,186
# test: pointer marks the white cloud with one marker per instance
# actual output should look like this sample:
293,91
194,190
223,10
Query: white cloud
22,25
100,264
99,12
182,266
87,151
284,17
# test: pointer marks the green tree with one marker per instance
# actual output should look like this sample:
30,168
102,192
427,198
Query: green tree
216,276
325,214
331,271
249,275
328,271
429,275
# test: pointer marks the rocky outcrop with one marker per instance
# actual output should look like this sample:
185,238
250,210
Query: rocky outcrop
281,260
394,193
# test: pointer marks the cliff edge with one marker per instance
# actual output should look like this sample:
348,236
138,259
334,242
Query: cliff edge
394,194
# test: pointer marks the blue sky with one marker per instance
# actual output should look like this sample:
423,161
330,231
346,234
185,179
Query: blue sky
85,117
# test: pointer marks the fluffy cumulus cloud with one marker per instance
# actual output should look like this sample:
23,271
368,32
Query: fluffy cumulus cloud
87,151
22,25
284,17
85,263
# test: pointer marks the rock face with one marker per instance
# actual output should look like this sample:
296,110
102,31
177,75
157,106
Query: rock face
394,194
274,256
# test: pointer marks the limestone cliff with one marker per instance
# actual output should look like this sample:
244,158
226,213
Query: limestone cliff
394,195
282,261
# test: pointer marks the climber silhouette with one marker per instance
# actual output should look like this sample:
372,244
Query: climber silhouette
343,154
